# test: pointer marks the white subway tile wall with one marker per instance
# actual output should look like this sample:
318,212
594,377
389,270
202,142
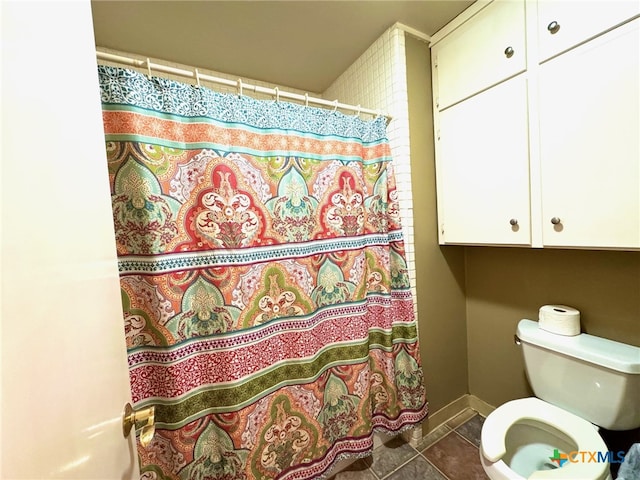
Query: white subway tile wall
378,80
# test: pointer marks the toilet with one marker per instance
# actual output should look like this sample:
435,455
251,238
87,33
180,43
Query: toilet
581,383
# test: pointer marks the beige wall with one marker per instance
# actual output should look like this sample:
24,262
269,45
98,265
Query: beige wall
504,285
440,270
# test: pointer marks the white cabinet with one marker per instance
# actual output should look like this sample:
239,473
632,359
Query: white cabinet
557,138
497,36
482,155
590,143
562,24
487,133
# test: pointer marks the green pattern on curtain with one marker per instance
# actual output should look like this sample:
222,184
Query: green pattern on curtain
267,307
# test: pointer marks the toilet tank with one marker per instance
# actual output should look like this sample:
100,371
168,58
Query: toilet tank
592,377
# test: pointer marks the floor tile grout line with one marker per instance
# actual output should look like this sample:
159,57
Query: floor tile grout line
434,466
417,453
374,474
447,427
437,441
401,465
467,440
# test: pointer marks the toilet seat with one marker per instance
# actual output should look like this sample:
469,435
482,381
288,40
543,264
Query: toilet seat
581,432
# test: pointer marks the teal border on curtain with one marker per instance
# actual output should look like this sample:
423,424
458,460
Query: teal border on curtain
125,87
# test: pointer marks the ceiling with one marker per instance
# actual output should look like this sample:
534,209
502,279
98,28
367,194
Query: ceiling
301,44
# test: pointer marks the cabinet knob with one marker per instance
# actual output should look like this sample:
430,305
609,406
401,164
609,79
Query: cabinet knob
555,220
553,27
508,52
513,222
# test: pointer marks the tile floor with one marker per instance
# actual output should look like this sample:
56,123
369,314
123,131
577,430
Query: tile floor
450,452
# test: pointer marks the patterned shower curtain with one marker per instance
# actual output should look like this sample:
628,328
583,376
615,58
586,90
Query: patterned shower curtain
267,309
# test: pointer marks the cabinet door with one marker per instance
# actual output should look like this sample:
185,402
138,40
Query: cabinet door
483,168
564,24
475,56
590,144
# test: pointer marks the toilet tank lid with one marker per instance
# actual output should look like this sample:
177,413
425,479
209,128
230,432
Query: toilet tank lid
600,351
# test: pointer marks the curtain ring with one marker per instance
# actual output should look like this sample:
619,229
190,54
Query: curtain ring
306,99
148,68
197,78
277,94
239,82
358,110
335,105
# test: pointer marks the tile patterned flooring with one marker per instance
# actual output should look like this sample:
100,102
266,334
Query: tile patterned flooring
450,452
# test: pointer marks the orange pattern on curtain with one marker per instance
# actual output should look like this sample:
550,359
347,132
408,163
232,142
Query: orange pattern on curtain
267,307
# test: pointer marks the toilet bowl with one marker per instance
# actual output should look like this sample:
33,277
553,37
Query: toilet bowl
579,382
529,439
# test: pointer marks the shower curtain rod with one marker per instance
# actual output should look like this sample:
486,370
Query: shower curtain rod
239,84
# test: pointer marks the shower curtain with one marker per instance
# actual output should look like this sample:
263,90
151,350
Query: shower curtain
266,301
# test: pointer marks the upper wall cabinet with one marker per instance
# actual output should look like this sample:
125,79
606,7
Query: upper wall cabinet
590,143
544,153
497,36
563,24
495,207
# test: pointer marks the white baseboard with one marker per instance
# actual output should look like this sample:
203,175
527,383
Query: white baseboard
453,409
480,406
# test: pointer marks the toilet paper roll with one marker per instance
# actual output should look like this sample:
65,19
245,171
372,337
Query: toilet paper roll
559,319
